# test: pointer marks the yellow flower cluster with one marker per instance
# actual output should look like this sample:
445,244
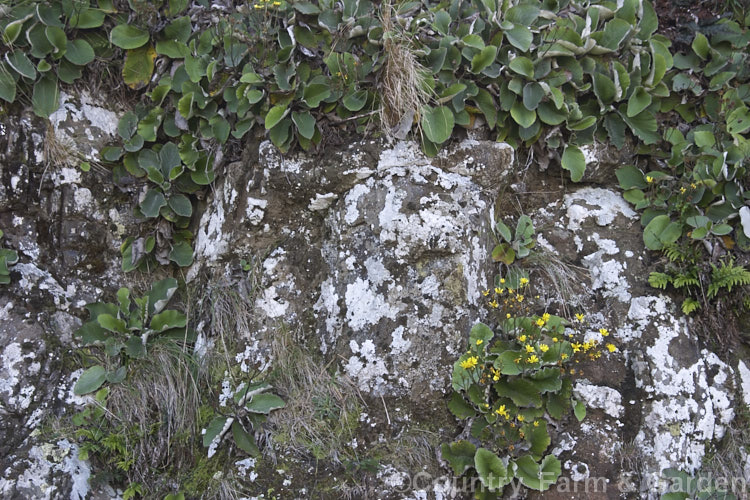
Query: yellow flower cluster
469,363
264,4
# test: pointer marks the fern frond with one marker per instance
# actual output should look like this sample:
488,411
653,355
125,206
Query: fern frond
659,280
689,305
727,276
682,280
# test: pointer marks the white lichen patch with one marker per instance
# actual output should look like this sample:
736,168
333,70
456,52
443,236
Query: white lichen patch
271,304
366,367
15,368
212,241
606,206
322,202
365,306
255,210
596,396
688,403
34,278
744,374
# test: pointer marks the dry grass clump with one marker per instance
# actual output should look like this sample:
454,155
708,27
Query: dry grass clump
322,411
402,87
161,402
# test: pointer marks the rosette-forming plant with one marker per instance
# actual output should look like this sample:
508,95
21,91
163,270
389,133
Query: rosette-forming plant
509,385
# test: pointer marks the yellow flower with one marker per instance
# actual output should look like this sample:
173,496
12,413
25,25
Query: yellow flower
498,289
649,179
519,298
576,347
554,339
502,280
546,317
692,185
522,338
682,190
524,281
502,412
479,341
258,6
469,363
494,304
540,322
485,292
603,331
611,347
533,359
579,316
563,356
536,423
508,315
529,349
520,418
517,360
544,348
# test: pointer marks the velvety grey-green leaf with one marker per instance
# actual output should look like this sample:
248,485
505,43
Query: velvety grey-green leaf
574,161
437,124
305,124
181,254
46,95
215,426
491,470
21,63
168,319
522,116
126,36
523,66
181,205
7,84
90,380
244,440
79,52
160,293
152,203
265,403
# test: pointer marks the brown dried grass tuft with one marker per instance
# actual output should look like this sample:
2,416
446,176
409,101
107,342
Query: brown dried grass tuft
403,92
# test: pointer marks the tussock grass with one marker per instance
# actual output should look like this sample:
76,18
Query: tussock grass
402,86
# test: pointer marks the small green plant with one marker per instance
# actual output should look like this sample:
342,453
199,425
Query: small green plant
506,385
683,486
250,403
124,331
696,280
516,245
7,259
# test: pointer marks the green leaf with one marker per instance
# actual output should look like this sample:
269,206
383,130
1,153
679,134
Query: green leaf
482,332
138,66
275,115
520,37
7,84
487,105
460,408
168,319
538,436
160,293
437,123
524,14
532,95
523,66
491,470
152,203
243,440
661,231
644,126
314,93
504,231
265,403
460,455
56,36
504,253
549,114
13,29
604,88
547,379
79,52
615,32
574,161
45,98
90,380
111,323
631,177
87,19
305,124
215,426
639,101
522,116
181,205
701,46
483,59
738,121
181,254
128,37
355,101
579,410
21,63
537,476
704,138
521,391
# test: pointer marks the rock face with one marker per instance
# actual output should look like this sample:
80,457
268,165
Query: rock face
378,255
